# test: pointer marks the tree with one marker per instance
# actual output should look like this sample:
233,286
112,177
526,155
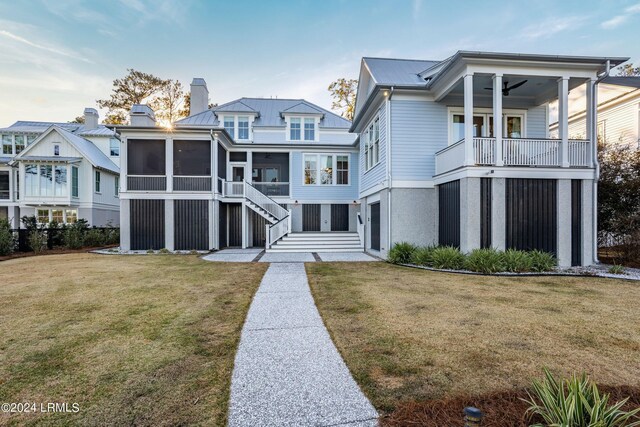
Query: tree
343,92
168,104
79,119
628,70
135,88
186,105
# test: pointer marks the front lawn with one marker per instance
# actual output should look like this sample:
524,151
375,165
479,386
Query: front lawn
134,340
411,335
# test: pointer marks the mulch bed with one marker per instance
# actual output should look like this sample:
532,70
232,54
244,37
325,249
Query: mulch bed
54,251
613,256
501,409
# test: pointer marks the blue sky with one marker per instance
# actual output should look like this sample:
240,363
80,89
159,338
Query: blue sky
57,57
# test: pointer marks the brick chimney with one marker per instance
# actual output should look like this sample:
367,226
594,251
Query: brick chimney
142,115
90,118
199,96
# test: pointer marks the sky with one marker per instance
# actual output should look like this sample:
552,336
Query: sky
57,57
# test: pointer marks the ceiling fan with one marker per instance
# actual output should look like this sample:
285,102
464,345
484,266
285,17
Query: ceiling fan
506,89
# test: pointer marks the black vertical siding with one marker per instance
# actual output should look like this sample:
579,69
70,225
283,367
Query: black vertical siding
576,222
191,230
340,217
146,220
258,224
531,214
235,224
375,226
222,226
449,214
485,212
310,217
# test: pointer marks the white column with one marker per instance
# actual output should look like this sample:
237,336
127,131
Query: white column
169,163
563,245
214,166
123,165
169,224
248,173
498,213
592,112
563,120
468,120
245,228
497,117
125,230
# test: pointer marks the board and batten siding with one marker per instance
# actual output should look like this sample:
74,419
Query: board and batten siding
537,126
377,174
302,192
418,132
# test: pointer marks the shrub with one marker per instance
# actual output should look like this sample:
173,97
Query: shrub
401,253
37,241
423,256
576,402
151,251
7,239
447,257
516,261
74,234
485,261
542,261
94,237
112,236
164,251
617,269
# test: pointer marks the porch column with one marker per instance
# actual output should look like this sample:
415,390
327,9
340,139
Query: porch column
563,120
468,120
591,132
214,166
245,226
497,117
123,165
169,163
249,168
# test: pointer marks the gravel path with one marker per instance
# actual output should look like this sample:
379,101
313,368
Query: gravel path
287,371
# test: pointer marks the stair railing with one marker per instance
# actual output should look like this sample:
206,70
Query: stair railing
265,202
277,231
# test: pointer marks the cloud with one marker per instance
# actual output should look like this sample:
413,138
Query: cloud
618,20
50,49
552,26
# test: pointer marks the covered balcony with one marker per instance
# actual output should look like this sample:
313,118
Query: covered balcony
521,99
269,173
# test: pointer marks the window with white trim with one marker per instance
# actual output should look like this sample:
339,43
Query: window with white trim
309,129
372,144
97,181
326,169
117,186
294,128
243,127
74,181
230,125
114,147
20,143
7,144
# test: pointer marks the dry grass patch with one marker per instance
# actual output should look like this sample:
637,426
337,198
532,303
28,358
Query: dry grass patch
135,340
415,335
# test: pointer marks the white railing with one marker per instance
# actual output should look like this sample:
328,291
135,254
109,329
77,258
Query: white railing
233,189
272,188
275,232
360,230
484,151
579,154
531,152
265,202
450,158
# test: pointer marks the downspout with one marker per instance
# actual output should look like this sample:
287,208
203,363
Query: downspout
594,154
388,108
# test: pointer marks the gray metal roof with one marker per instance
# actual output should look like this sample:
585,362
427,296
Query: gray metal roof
51,159
301,108
5,160
22,126
398,72
628,81
269,111
235,107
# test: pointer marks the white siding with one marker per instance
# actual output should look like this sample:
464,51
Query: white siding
377,174
537,122
620,124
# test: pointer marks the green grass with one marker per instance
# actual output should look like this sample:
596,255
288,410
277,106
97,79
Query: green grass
135,340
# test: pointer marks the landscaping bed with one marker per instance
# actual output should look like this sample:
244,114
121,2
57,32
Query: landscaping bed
132,340
421,342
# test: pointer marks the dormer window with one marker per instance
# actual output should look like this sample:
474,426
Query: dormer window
302,128
295,129
56,150
243,127
229,125
309,129
238,127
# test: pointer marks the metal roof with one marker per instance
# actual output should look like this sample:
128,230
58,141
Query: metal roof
235,107
52,159
629,81
398,72
301,108
22,126
269,111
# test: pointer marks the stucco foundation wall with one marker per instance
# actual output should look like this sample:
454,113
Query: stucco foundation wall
382,197
414,216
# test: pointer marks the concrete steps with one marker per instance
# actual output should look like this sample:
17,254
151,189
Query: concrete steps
318,242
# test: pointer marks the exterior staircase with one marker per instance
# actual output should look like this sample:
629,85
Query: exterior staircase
318,242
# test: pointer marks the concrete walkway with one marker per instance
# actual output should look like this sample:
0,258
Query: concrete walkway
287,370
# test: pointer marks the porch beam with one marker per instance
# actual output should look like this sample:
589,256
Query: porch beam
468,120
497,117
563,120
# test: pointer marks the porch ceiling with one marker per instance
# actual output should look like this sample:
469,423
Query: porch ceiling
537,90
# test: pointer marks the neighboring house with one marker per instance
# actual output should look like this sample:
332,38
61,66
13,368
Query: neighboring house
437,167
618,113
243,174
60,172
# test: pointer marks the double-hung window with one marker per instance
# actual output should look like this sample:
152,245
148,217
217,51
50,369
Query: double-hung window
97,181
294,131
117,186
7,144
243,127
342,170
20,143
229,125
310,169
326,169
60,174
372,144
74,181
309,129
114,147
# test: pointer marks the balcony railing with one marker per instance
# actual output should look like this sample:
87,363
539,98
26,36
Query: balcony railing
146,183
4,194
191,183
233,189
272,188
515,152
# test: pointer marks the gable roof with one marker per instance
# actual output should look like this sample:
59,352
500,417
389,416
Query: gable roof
269,113
87,148
236,106
398,72
26,126
629,81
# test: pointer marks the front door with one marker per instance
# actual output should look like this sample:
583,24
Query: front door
375,226
237,173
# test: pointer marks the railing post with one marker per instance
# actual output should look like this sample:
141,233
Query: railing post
497,118
267,236
289,221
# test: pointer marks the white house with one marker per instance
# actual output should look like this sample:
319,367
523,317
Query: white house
60,172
